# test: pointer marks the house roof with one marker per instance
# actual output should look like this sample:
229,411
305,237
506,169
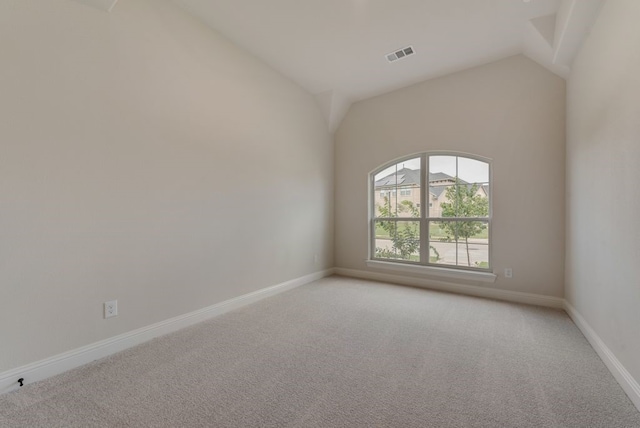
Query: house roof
402,177
407,177
441,176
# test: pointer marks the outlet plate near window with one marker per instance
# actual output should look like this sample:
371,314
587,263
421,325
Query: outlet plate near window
110,309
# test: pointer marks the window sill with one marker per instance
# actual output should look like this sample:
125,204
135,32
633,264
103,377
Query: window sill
434,271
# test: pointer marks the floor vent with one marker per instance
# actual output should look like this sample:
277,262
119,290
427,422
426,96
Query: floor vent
402,53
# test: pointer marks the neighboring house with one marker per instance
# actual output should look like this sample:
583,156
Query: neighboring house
404,185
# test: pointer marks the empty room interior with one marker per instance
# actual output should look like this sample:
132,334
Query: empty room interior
320,213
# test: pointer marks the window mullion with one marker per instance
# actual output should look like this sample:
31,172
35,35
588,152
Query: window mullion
373,223
424,210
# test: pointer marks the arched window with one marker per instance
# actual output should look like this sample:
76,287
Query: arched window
432,209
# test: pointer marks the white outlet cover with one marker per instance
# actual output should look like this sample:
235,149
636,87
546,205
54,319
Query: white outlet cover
110,308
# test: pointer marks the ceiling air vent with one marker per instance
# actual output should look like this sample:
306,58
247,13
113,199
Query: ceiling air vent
402,53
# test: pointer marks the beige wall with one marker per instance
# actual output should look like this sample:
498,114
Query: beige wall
603,160
511,111
146,159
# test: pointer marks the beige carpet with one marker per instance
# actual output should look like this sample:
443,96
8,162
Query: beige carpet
344,353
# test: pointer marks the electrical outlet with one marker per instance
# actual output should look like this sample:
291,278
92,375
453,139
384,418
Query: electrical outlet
110,308
508,273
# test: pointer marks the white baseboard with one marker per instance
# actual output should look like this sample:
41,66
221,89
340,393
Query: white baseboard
491,293
77,357
624,378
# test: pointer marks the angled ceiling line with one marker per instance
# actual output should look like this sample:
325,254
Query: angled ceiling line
105,5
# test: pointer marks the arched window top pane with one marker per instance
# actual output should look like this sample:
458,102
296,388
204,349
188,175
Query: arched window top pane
439,165
466,169
397,190
472,170
458,187
412,164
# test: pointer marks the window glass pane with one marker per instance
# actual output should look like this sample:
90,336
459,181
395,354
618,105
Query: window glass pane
473,244
469,200
471,196
442,173
459,243
436,253
397,190
447,203
474,195
398,240
442,164
442,242
473,171
386,202
443,253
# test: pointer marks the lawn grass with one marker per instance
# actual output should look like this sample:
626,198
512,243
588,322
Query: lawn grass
435,233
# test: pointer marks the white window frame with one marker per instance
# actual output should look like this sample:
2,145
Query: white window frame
425,266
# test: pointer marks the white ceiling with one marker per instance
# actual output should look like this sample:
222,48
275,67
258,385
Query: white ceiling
340,45
336,49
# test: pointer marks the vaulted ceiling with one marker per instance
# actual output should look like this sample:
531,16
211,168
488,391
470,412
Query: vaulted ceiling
336,49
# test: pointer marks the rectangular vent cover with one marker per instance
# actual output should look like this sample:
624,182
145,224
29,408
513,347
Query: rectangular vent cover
402,53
